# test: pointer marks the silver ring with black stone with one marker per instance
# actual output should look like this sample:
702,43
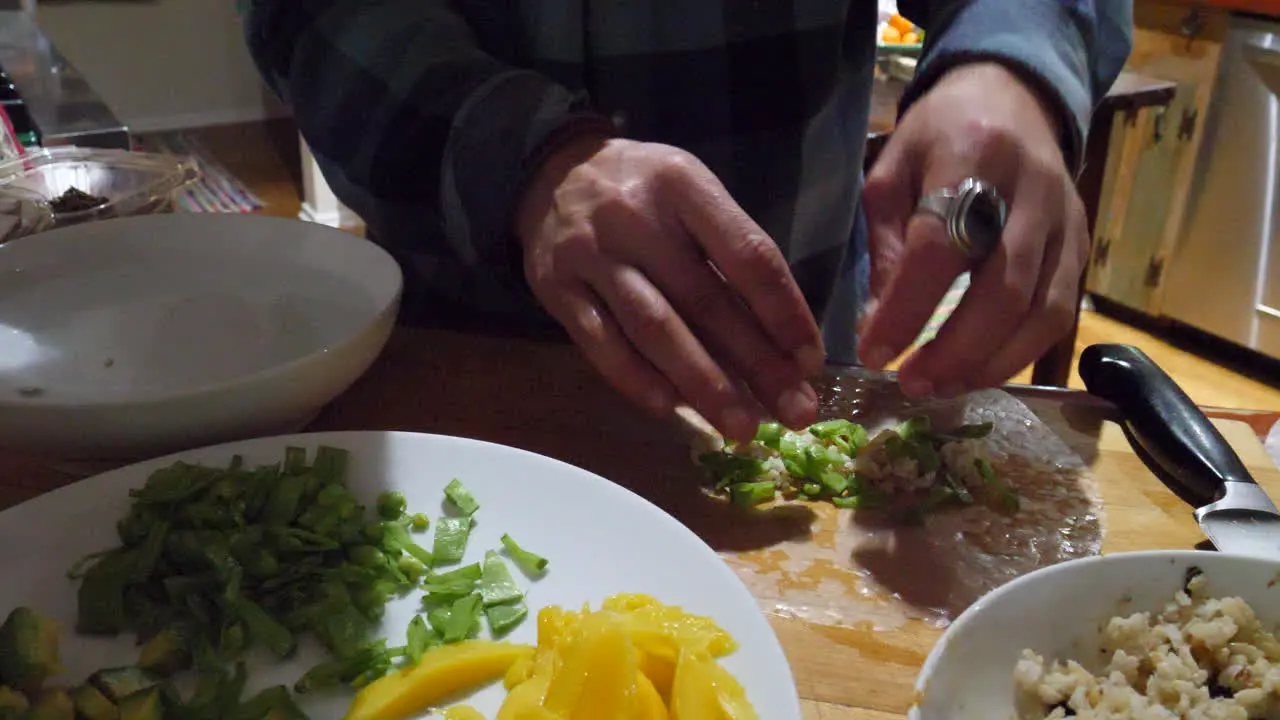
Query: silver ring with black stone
974,214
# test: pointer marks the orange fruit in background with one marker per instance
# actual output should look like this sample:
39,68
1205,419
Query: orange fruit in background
911,38
901,24
890,35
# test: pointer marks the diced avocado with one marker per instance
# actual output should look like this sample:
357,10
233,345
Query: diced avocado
28,650
13,704
52,704
143,705
166,652
91,704
119,683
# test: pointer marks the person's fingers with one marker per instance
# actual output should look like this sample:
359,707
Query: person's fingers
748,259
1000,293
659,333
913,261
607,348
888,199
733,334
926,269
1055,305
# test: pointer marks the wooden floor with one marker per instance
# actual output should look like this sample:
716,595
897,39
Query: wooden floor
266,158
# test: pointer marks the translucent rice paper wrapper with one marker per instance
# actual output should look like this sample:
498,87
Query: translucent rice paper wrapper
858,567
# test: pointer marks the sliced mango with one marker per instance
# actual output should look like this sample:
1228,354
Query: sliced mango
650,705
633,659
461,712
442,673
702,690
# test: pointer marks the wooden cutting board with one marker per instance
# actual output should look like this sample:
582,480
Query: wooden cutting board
846,673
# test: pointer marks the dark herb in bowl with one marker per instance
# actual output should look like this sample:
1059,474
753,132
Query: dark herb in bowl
76,200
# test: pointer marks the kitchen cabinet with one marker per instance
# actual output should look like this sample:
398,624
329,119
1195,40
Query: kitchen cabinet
1153,153
1148,146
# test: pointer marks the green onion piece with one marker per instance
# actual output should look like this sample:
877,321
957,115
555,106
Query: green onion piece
295,460
976,431
752,493
264,628
529,563
496,584
396,537
851,501
330,464
451,539
830,428
1005,495
411,567
918,427
812,489
420,522
461,497
505,617
769,434
729,469
833,482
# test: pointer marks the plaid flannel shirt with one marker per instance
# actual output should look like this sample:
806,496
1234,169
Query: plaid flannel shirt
427,116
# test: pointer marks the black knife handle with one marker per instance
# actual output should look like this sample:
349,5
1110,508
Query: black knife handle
1190,455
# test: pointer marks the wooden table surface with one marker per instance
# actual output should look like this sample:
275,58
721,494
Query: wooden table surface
543,398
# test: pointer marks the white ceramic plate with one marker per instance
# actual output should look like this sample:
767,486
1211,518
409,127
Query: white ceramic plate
133,337
600,539
1057,611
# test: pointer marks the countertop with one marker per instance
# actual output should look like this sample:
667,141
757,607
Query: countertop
851,658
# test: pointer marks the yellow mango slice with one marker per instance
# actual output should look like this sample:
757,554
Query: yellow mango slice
443,672
461,712
519,672
659,670
649,703
609,686
703,690
525,699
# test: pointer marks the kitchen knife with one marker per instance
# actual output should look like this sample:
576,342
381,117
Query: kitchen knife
1184,449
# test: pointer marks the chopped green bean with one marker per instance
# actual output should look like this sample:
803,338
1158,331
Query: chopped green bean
391,505
504,618
496,585
529,563
451,539
461,497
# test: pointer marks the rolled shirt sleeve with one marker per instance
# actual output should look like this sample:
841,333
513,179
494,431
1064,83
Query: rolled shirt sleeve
1071,51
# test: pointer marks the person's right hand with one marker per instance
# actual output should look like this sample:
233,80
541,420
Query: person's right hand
668,287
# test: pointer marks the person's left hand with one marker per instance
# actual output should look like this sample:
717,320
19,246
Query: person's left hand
979,121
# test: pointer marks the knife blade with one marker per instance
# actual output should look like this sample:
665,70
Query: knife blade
1184,449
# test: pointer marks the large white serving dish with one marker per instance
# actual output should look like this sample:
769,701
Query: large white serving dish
132,337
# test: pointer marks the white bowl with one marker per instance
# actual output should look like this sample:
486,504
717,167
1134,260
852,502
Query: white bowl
139,336
1057,611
